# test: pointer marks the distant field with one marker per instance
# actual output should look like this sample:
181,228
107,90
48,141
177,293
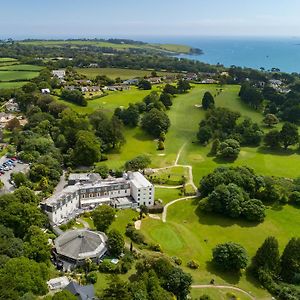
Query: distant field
114,73
17,75
12,85
174,48
160,47
7,59
16,67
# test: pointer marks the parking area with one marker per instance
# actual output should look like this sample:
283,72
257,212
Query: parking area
7,167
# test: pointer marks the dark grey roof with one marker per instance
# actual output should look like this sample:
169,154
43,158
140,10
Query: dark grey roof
80,244
83,292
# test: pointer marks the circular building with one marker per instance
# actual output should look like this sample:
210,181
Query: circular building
73,247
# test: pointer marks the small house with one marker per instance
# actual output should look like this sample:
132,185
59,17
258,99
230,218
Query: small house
45,91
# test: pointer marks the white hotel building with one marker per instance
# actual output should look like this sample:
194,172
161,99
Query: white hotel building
86,191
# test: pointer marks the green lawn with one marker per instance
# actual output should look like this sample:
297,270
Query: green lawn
123,217
17,75
183,132
184,233
12,85
218,294
167,195
114,73
170,176
187,228
17,67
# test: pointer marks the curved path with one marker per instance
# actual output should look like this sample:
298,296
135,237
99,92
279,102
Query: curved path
164,214
230,287
189,181
168,186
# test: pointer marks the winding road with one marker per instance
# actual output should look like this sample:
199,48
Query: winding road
190,181
229,287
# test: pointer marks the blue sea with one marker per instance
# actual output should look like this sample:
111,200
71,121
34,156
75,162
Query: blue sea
267,53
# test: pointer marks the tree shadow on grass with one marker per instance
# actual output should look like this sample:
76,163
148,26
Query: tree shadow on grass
142,136
208,218
277,151
229,276
251,279
276,206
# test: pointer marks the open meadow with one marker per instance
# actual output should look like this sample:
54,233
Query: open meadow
185,118
20,67
15,75
12,85
105,44
191,235
110,102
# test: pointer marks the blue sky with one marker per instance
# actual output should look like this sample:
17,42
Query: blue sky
129,18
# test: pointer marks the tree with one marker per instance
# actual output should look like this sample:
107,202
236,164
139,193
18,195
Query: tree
295,197
143,210
109,131
144,85
208,101
270,120
267,257
130,116
140,162
10,246
215,147
289,135
290,261
155,122
160,145
272,139
183,86
86,149
103,216
19,179
115,243
230,257
166,99
74,96
170,89
116,289
251,95
102,170
226,200
178,283
229,149
23,275
29,87
26,195
204,134
116,134
36,245
254,210
64,295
